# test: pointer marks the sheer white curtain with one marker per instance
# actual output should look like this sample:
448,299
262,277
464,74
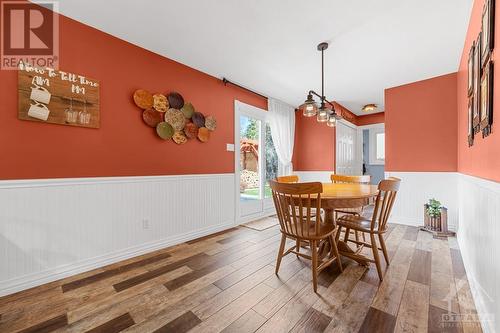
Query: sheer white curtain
281,118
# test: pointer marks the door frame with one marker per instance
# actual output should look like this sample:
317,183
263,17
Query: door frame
267,203
376,126
358,148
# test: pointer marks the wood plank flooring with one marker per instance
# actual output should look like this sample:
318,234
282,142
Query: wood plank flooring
225,282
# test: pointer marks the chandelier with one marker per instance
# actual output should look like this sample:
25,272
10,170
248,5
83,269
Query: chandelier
310,107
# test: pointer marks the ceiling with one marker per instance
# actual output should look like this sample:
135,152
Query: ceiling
270,45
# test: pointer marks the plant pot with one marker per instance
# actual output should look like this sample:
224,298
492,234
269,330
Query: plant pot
437,225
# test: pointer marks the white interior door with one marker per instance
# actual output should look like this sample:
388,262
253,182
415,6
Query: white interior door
255,163
348,150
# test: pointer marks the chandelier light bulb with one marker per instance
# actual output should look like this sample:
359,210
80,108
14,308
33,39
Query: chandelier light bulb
322,114
332,121
310,108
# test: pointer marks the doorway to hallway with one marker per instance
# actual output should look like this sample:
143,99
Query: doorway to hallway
373,137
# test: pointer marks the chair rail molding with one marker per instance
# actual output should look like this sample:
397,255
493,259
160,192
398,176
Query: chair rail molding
54,228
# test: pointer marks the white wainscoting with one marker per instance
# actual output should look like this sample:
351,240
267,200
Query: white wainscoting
50,229
473,211
478,235
314,176
417,188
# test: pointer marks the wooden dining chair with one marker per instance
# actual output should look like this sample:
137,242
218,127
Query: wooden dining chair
348,179
294,205
288,179
376,225
368,210
291,179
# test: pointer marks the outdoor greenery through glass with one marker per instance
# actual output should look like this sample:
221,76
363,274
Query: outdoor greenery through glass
249,151
249,158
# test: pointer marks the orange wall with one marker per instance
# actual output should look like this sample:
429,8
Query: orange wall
124,145
420,125
483,158
314,148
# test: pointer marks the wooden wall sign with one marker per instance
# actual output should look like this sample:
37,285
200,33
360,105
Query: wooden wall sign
53,96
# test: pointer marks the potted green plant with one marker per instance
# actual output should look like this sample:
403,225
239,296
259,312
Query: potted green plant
436,218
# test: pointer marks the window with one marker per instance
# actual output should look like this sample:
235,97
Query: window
377,146
380,146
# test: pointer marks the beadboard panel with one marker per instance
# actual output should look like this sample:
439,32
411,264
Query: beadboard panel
59,227
314,176
416,189
478,235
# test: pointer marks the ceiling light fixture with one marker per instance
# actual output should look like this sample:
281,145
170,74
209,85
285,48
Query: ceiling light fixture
369,107
310,107
332,121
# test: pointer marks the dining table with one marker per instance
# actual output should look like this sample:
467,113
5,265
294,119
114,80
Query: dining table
338,196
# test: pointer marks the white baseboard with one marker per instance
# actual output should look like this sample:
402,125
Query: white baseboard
54,274
53,228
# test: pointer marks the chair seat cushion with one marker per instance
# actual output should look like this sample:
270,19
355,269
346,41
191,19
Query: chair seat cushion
356,222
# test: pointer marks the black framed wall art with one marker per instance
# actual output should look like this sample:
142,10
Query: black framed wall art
486,90
476,119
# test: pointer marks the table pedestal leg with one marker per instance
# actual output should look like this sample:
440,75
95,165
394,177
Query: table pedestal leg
344,249
325,246
329,215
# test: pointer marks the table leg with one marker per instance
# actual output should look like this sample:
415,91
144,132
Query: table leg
344,249
324,245
329,215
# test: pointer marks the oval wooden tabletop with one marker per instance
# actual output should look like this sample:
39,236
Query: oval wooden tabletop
348,191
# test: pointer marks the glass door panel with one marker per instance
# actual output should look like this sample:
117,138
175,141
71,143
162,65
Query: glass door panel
249,158
256,163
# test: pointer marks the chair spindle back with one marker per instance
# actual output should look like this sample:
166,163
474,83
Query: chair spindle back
288,179
294,205
388,189
347,179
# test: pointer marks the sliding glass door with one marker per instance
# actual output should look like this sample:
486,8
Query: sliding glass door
255,163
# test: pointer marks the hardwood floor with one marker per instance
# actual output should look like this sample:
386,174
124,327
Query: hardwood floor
226,282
